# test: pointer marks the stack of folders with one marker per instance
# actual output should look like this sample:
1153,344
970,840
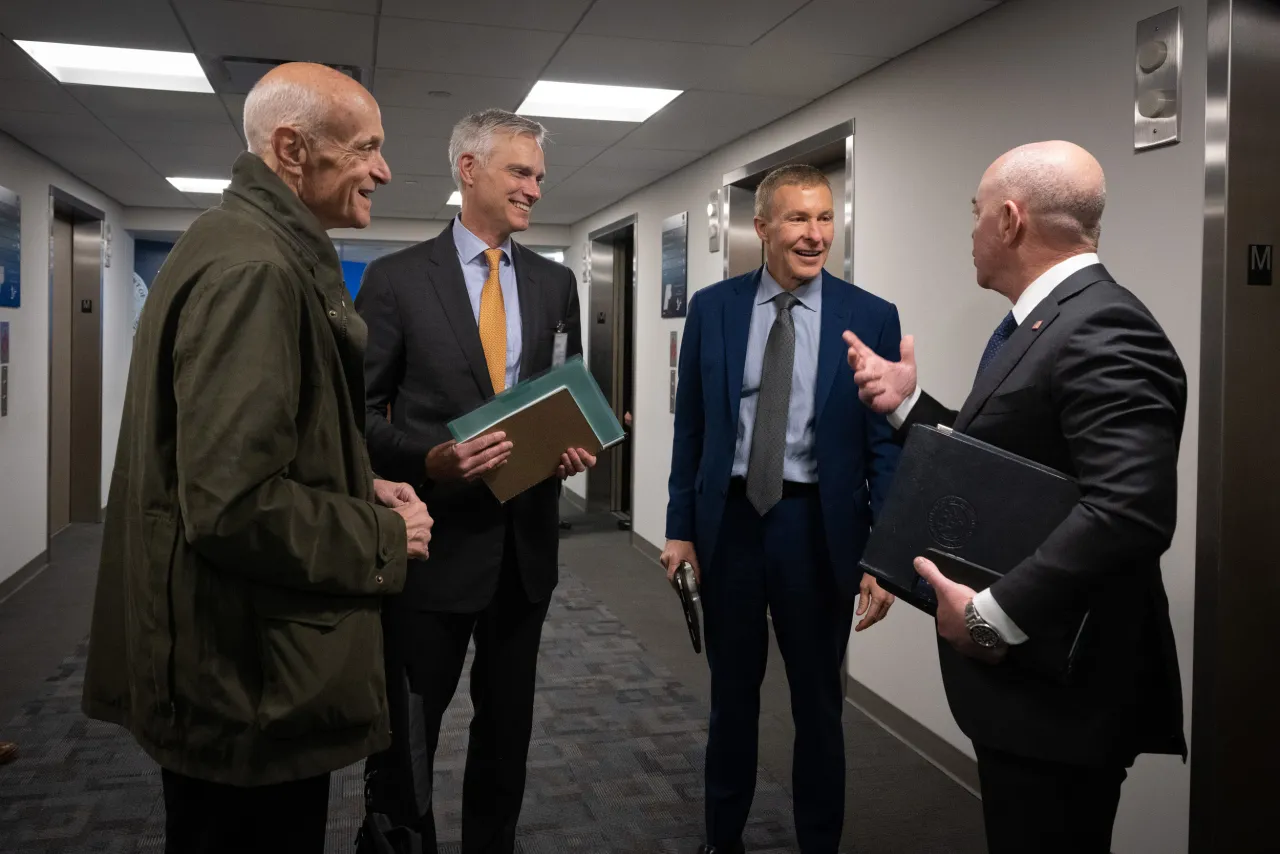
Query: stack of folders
543,416
977,511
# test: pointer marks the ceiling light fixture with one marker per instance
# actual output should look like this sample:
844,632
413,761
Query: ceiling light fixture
592,101
117,66
200,185
455,199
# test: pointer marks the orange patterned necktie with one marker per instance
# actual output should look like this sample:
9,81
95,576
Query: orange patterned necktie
493,323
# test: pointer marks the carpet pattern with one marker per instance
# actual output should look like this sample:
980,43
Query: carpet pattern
615,763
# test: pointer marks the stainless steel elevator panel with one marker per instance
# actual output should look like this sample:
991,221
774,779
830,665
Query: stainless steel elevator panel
743,249
86,373
1157,87
1234,751
601,320
60,300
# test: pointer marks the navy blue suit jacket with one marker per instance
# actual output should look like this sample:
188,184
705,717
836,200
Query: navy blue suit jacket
856,453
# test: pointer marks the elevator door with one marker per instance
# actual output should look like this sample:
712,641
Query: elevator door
60,378
611,346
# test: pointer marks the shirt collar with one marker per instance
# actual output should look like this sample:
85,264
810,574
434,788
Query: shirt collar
808,294
1050,279
471,247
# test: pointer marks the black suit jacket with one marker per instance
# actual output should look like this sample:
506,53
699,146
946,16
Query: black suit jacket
425,363
1089,385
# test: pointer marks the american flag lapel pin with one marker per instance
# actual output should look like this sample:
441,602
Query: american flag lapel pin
1036,325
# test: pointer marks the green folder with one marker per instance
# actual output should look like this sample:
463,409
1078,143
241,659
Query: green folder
542,416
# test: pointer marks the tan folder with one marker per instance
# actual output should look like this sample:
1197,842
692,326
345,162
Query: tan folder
539,433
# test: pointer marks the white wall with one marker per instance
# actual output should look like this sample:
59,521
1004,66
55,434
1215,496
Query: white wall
928,124
176,220
24,434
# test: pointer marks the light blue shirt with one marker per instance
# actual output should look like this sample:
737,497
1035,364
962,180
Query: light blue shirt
475,271
799,463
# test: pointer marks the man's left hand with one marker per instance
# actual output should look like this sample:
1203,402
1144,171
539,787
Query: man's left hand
873,601
953,598
393,495
574,461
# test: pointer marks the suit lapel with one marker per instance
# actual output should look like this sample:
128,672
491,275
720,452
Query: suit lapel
831,347
737,325
528,290
1020,342
445,276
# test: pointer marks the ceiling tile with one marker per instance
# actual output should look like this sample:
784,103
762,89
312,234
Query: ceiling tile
133,189
556,154
584,132
419,199
701,121
595,178
870,27
417,155
728,22
359,7
646,158
146,24
677,65
188,161
151,104
464,48
208,133
41,96
395,87
105,154
558,16
72,126
260,31
407,122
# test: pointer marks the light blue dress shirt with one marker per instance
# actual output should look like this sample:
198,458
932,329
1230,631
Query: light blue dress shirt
475,271
799,463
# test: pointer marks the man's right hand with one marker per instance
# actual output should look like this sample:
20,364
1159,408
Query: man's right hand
882,385
676,552
417,524
467,461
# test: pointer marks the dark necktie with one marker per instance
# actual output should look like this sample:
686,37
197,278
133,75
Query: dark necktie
998,339
773,409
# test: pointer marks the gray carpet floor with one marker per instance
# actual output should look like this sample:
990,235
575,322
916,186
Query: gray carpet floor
615,762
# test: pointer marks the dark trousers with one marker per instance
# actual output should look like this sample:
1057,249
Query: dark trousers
1046,807
214,818
778,565
430,648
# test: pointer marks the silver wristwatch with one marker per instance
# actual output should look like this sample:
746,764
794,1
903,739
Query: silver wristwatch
983,633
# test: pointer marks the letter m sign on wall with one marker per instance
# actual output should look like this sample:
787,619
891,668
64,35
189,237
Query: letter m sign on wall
1261,261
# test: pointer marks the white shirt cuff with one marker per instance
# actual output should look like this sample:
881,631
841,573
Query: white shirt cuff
989,609
899,416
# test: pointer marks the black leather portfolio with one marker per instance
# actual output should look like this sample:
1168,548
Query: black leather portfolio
975,510
685,583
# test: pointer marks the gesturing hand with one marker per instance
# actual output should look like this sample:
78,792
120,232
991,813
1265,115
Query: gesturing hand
882,385
468,460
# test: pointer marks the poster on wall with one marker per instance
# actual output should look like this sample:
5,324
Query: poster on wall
10,249
675,266
148,258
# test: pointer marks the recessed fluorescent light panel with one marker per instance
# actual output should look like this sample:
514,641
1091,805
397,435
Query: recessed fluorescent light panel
117,66
455,198
591,101
200,185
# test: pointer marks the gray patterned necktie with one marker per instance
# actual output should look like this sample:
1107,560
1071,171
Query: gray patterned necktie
773,409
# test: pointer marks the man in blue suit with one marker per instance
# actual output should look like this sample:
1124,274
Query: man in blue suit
776,471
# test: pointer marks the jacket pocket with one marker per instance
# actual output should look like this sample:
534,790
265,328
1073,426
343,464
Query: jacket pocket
321,663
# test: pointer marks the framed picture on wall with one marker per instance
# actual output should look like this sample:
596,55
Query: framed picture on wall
675,265
10,249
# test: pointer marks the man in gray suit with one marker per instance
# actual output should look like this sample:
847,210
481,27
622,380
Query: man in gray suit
451,322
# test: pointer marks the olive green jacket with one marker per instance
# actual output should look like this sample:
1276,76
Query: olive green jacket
236,624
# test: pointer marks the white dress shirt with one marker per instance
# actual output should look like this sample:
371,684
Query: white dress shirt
985,603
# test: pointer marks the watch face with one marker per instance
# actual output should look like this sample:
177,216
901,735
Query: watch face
984,636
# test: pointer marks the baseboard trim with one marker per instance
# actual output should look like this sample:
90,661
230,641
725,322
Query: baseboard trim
645,547
574,500
19,579
936,750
